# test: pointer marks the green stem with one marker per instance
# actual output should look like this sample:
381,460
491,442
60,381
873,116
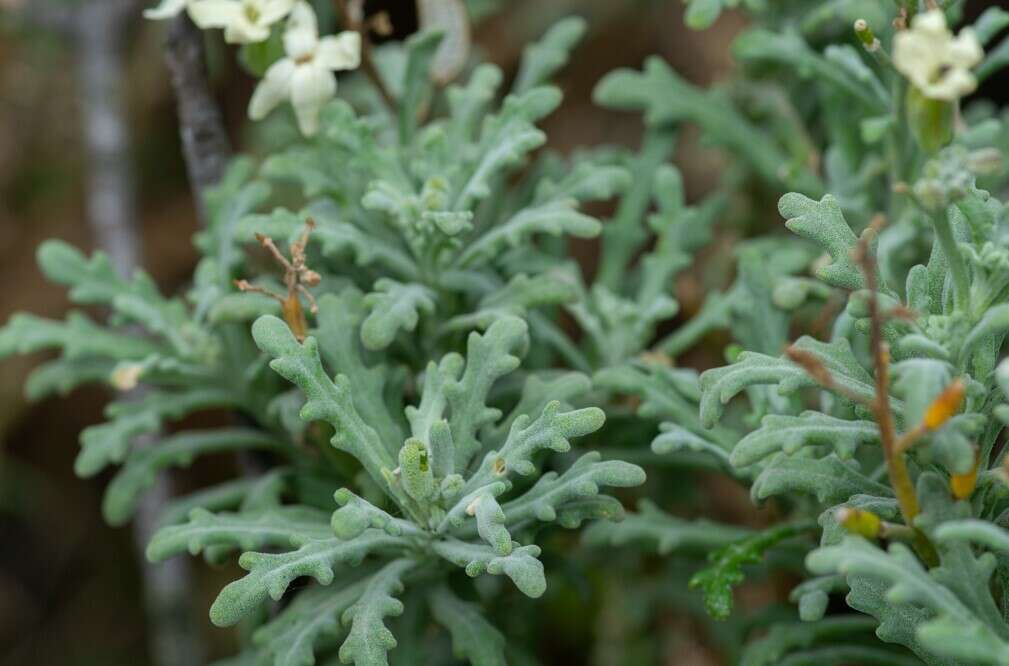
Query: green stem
957,266
895,140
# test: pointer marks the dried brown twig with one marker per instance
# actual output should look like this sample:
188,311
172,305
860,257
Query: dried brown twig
297,278
894,446
896,465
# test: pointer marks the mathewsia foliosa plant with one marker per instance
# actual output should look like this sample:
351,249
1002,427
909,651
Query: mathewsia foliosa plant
877,436
369,342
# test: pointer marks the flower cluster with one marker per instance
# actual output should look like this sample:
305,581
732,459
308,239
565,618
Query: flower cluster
304,76
935,61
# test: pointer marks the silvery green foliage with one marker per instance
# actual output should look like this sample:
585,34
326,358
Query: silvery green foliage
420,217
421,428
402,442
766,421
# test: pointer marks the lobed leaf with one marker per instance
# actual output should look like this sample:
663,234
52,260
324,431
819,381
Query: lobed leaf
369,640
393,306
552,492
520,565
327,400
280,527
271,573
473,637
179,450
652,527
790,434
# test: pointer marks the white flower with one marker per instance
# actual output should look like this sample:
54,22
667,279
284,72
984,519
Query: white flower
305,76
936,62
244,21
166,10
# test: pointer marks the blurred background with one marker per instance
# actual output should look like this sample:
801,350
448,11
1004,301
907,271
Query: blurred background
87,113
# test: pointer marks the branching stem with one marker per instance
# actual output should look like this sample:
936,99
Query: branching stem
352,12
896,464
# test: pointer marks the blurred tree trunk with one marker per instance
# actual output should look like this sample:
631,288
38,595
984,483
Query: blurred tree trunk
100,45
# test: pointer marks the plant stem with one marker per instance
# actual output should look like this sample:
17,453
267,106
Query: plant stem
896,464
354,20
205,144
957,266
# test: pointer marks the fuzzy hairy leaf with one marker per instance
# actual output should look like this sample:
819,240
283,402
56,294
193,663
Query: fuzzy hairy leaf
369,639
651,526
552,430
95,281
790,434
839,68
355,515
558,217
339,319
63,375
908,583
542,59
291,638
491,522
823,223
829,641
473,637
547,499
829,478
720,385
141,468
78,338
109,442
537,391
673,438
280,527
393,307
667,99
327,399
521,565
489,357
271,573
505,140
522,294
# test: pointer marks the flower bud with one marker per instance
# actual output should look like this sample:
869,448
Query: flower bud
126,376
930,120
865,35
860,522
415,470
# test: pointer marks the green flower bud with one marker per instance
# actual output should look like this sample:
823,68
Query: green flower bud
415,470
930,120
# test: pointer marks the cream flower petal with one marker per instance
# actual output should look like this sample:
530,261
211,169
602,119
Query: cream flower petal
932,21
302,34
937,63
965,50
342,51
166,10
273,89
244,31
215,13
311,87
956,83
272,11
